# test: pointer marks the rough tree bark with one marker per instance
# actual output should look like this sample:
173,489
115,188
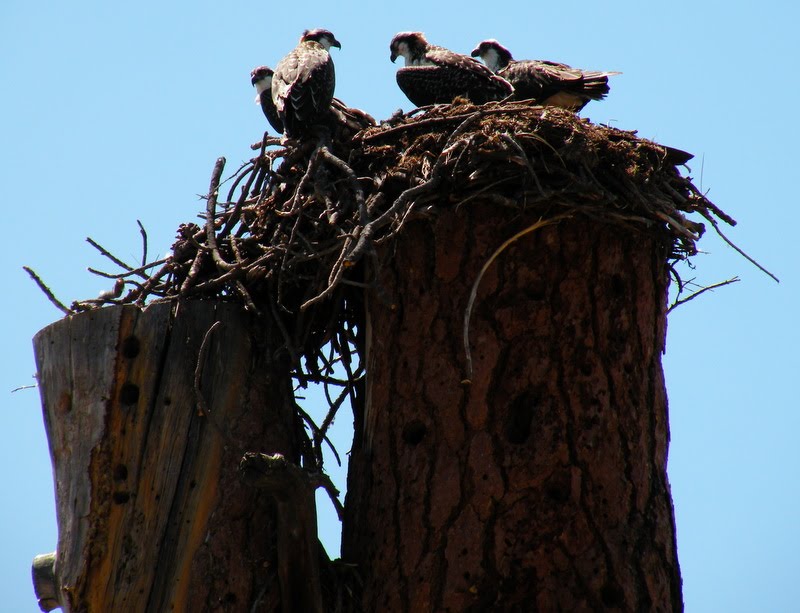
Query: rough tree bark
539,485
151,513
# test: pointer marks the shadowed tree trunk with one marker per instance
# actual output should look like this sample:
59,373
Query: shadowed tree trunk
541,483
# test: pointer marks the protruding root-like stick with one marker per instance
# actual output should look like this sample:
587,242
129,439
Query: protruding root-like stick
474,292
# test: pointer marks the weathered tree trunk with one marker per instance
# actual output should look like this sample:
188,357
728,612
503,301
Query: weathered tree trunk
151,513
541,483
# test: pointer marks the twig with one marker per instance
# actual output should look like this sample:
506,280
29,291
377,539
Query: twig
336,273
140,294
122,275
191,276
106,253
707,204
105,297
320,479
293,354
143,232
249,305
474,292
677,303
213,283
60,306
482,190
742,253
295,209
238,176
326,423
511,141
234,214
211,205
306,178
314,428
539,139
305,378
24,387
343,167
202,407
680,229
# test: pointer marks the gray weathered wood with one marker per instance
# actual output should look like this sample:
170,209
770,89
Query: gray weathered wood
44,581
151,514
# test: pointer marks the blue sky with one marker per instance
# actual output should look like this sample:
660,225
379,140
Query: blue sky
116,112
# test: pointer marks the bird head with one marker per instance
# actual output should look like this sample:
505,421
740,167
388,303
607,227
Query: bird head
493,54
261,78
322,36
411,45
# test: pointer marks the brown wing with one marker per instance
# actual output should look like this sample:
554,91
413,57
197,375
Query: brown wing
556,84
449,75
303,87
270,111
468,77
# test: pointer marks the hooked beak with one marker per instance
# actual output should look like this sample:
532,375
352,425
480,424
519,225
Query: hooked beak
476,52
393,57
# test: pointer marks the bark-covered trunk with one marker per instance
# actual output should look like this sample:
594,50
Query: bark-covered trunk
540,484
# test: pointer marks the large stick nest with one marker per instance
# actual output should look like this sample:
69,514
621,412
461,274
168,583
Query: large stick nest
287,235
296,220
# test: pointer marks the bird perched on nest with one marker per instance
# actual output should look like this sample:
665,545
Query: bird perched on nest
261,78
435,75
303,83
547,83
339,114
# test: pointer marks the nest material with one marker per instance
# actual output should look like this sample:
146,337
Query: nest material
306,215
298,226
288,237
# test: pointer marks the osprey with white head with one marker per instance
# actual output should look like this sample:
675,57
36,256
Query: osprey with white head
261,78
545,82
304,82
435,75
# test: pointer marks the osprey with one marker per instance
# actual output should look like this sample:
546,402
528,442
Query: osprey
303,83
547,83
435,75
261,78
338,114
